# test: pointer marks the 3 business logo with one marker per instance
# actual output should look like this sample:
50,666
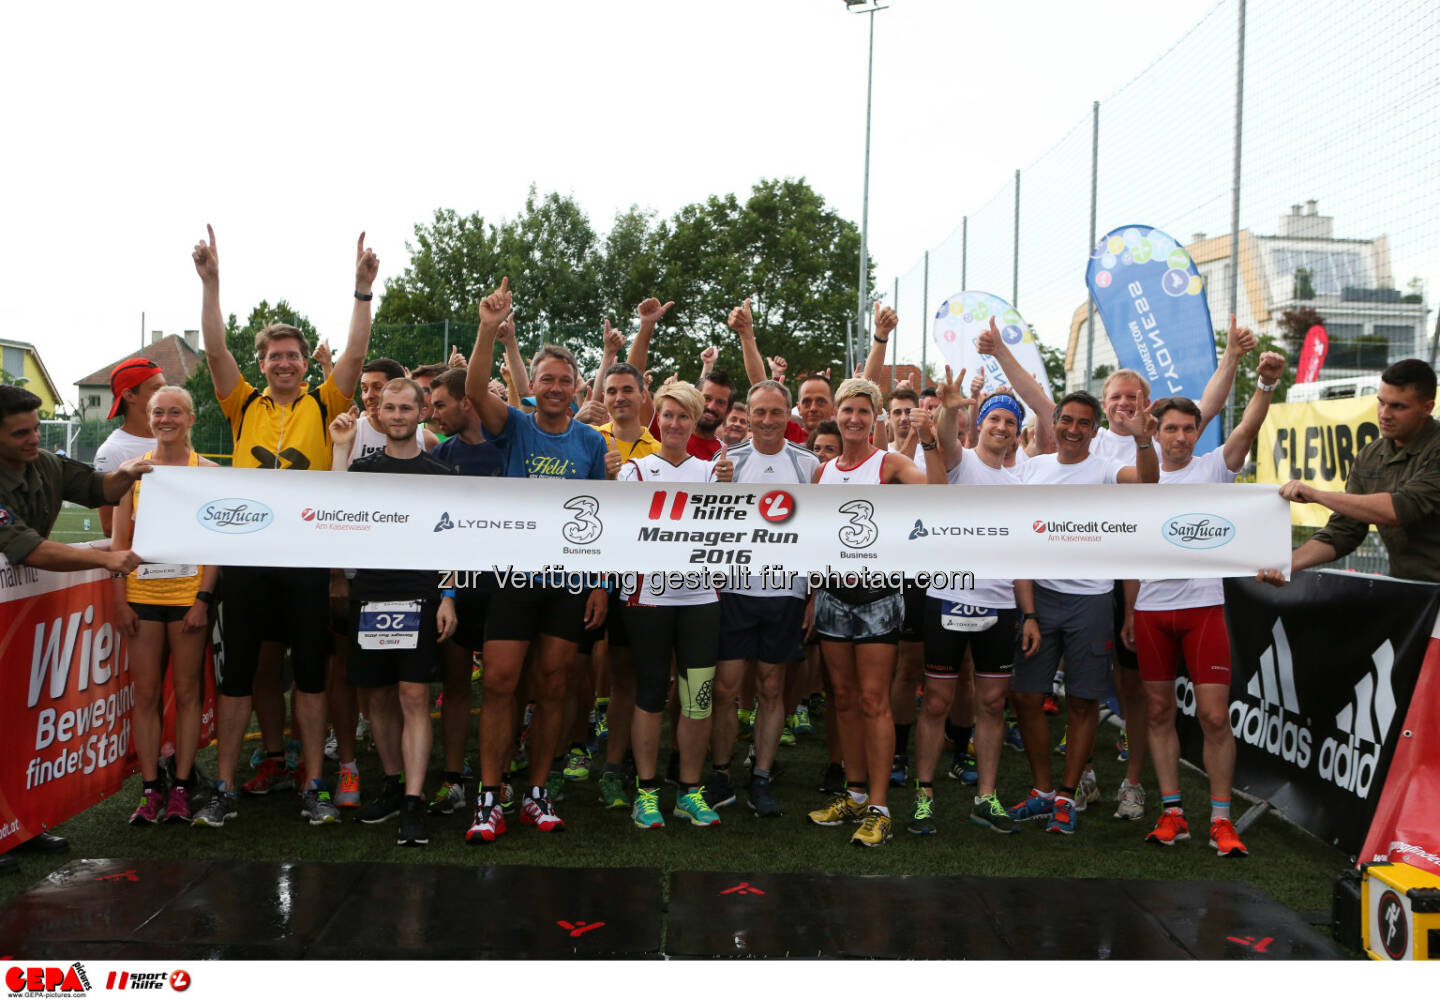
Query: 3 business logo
586,526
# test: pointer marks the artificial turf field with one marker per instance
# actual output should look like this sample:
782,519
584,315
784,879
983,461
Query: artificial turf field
1285,862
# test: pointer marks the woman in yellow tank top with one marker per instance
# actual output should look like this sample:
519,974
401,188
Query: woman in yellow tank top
164,608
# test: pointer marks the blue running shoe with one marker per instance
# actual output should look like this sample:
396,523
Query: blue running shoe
803,725
962,767
1062,820
1013,740
1035,806
899,765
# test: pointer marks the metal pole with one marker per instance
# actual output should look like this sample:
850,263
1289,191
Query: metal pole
865,201
849,345
1015,263
1094,187
925,318
964,250
1235,194
895,341
446,349
142,329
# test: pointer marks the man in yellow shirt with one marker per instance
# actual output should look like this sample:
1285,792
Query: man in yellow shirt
285,426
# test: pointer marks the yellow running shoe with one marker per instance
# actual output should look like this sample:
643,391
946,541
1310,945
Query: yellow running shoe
874,831
841,809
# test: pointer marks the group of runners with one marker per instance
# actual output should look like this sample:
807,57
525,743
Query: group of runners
561,662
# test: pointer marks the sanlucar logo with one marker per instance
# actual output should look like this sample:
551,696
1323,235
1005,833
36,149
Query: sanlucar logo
234,516
1198,531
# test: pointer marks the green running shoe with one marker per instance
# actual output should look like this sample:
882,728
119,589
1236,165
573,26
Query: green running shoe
922,824
577,765
612,790
646,812
691,805
802,726
989,812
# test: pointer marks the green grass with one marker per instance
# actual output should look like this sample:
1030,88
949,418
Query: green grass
72,526
1285,862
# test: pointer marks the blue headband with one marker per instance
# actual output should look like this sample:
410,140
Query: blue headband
1002,401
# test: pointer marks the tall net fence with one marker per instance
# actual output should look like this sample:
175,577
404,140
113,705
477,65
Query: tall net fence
1338,188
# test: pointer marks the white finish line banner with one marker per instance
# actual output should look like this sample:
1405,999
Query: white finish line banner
266,517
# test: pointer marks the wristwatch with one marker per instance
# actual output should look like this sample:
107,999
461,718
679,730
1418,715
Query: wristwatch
365,296
205,596
1030,616
929,445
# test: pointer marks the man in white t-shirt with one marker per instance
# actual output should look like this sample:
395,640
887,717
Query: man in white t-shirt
1076,616
984,619
132,383
1169,618
762,628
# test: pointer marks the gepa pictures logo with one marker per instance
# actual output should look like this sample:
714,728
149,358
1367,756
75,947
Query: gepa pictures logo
47,980
235,516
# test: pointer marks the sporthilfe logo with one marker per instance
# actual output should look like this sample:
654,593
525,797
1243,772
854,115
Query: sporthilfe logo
235,516
1198,531
657,505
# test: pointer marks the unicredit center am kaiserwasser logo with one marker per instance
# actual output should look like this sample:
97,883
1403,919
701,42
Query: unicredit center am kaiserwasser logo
235,516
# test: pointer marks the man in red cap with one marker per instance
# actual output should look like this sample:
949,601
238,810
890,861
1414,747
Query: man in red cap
132,383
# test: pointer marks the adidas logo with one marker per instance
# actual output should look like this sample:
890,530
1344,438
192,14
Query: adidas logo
1363,725
769,468
1269,715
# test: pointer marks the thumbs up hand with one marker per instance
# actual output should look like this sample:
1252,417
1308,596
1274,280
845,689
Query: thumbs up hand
724,468
613,461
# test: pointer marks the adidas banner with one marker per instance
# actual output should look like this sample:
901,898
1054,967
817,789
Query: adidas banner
709,534
1322,672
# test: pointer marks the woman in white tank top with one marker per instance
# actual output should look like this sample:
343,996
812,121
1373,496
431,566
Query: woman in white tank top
859,624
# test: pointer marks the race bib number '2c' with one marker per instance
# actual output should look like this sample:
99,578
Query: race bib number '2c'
389,625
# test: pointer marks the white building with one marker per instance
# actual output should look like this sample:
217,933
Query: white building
1371,323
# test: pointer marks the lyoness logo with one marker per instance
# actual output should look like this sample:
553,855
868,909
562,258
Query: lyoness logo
919,531
444,524
234,516
1198,531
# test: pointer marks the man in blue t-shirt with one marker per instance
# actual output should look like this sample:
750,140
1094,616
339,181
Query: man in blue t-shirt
546,444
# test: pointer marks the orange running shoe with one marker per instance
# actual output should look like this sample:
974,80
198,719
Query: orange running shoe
347,792
1172,827
1225,840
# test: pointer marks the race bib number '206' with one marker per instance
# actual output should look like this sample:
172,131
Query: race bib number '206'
389,625
955,617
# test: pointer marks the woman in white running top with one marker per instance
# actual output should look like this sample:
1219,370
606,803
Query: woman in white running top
668,624
859,623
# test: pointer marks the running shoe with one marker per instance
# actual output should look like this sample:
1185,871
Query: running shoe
577,765
217,811
832,782
762,801
747,721
540,813
315,805
962,768
347,787
1170,828
151,809
1052,705
840,809
1064,743
387,806
802,726
292,754
332,746
362,730
1225,840
1013,739
555,784
989,812
899,765
177,806
449,799
602,727
507,797
691,805
1063,819
1131,799
719,790
1035,806
922,823
520,759
874,830
787,733
612,790
412,832
258,757
1087,791
487,824
274,775
1122,746
646,812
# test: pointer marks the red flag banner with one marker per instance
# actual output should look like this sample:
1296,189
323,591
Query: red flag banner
1312,355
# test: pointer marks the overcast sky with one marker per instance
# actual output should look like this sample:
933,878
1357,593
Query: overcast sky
291,127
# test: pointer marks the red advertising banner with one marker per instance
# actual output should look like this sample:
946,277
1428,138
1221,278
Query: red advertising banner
66,693
1312,355
1406,826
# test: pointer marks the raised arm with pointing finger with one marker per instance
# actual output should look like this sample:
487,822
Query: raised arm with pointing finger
346,374
494,310
886,321
743,323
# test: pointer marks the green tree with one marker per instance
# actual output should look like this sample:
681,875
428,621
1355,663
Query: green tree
454,261
1245,375
1054,359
